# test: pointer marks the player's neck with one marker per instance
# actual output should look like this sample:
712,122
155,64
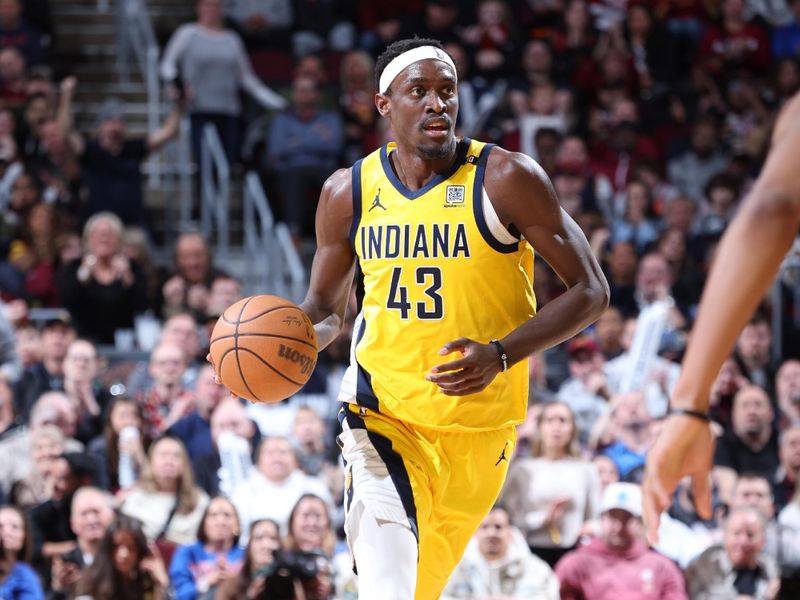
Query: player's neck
414,171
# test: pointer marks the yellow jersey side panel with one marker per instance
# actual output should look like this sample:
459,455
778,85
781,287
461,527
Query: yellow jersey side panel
433,272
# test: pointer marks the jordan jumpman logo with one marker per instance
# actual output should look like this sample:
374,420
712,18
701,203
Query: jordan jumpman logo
377,202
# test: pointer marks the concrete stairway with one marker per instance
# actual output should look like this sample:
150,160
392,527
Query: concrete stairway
85,45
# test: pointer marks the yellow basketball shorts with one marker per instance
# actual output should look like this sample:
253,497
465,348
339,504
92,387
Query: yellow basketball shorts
438,484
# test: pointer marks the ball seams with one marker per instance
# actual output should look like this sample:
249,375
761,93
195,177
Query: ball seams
274,335
268,365
236,348
222,360
293,341
254,317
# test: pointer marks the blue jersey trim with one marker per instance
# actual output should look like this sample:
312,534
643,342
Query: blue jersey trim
365,395
461,154
356,185
477,205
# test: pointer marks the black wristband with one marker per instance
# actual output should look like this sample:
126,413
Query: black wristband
501,352
690,413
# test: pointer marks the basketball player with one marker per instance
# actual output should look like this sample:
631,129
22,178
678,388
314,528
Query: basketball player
748,257
441,231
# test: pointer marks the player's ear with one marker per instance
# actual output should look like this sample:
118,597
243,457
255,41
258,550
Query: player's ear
383,103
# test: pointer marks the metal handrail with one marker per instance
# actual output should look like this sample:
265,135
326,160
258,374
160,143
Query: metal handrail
258,222
185,170
269,249
135,35
214,190
294,266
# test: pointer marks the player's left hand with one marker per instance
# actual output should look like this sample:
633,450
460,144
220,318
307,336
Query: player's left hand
477,367
685,446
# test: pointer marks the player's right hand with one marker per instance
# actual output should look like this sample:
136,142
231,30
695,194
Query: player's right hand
684,447
217,380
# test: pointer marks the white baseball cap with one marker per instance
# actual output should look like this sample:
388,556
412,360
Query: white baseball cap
625,496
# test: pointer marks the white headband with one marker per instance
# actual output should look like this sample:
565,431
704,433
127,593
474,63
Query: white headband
398,63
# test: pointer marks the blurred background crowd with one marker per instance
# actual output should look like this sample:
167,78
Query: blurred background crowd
127,472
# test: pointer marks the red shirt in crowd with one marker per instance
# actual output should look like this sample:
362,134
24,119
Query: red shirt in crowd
744,50
598,572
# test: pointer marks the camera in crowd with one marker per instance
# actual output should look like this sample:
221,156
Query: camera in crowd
288,567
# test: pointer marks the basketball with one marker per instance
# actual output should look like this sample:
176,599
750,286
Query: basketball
264,348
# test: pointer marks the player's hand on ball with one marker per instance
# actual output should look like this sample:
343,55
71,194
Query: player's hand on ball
263,348
217,380
476,369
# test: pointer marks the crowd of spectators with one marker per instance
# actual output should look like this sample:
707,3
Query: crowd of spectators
127,472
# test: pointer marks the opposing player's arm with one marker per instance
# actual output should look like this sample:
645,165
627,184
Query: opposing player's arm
522,195
334,261
748,257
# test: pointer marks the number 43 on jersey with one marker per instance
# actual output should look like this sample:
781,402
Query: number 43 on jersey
432,308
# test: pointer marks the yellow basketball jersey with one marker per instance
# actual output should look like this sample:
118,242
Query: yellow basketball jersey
435,265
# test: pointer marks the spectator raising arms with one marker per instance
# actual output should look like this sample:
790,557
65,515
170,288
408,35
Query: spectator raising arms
111,160
166,400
